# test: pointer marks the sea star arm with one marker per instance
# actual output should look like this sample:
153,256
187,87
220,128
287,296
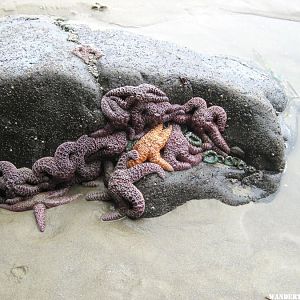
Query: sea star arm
102,132
114,144
181,119
171,156
89,171
122,163
98,196
137,119
47,166
216,137
219,116
193,160
124,91
194,150
151,93
40,215
127,103
92,183
139,135
113,216
176,165
7,168
14,200
194,103
17,183
18,206
139,171
143,155
117,115
52,202
63,152
157,159
26,190
57,193
134,197
207,143
172,116
29,177
2,183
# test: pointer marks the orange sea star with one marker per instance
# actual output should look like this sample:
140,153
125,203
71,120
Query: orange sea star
149,147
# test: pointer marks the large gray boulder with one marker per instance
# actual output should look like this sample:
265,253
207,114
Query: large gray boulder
227,184
250,96
48,96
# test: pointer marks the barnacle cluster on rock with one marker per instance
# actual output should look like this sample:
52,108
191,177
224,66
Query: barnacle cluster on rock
137,116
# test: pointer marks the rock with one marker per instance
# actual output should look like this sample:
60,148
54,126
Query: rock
250,96
47,95
229,185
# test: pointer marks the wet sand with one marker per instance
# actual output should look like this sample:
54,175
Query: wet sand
204,249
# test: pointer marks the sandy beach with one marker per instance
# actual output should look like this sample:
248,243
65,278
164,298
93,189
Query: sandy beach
203,249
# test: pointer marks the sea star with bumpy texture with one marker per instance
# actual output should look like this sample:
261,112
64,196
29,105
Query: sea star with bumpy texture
149,147
206,122
129,96
189,108
179,152
85,171
117,116
60,166
147,115
211,122
117,104
19,182
112,145
39,203
80,158
122,190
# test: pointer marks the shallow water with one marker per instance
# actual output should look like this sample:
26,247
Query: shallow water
204,249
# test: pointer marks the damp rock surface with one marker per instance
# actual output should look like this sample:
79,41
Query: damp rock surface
250,96
48,96
227,184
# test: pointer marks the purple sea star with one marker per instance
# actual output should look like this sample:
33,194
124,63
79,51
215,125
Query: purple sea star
80,158
19,182
117,104
112,145
60,166
130,110
84,170
122,190
116,115
39,203
145,116
179,153
132,95
207,123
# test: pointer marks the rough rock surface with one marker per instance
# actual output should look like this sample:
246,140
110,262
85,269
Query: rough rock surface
249,95
230,185
48,95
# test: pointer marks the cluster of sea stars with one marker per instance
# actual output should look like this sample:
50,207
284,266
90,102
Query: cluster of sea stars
141,113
